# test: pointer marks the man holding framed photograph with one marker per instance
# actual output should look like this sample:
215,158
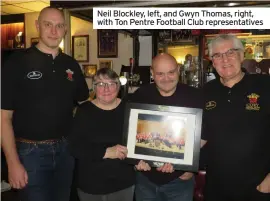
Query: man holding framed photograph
164,183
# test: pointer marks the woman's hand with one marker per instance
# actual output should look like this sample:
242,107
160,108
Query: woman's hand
117,151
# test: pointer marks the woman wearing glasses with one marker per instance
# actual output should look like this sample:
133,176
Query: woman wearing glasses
102,173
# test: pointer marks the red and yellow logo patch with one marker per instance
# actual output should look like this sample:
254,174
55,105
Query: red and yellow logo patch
69,74
253,102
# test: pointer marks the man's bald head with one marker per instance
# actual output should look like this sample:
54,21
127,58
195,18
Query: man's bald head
164,57
165,72
51,28
48,9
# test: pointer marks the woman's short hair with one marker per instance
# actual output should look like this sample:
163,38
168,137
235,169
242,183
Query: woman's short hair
107,73
225,37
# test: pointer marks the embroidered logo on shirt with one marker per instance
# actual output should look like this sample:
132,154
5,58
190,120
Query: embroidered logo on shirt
253,102
34,75
69,74
210,105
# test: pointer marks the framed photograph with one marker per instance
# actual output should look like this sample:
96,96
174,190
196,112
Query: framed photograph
106,64
107,43
163,134
80,48
165,36
34,41
89,70
183,36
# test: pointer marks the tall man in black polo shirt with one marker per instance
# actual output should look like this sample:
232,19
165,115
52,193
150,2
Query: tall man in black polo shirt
236,127
164,184
39,89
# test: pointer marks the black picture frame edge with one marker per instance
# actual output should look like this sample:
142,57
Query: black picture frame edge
197,136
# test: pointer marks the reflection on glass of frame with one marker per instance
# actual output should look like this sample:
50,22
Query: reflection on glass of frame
89,70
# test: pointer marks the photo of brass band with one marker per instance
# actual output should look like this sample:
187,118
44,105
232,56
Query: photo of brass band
135,100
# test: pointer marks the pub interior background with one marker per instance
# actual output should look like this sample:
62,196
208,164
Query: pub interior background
131,51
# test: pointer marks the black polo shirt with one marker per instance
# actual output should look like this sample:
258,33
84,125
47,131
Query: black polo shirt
236,125
42,92
184,96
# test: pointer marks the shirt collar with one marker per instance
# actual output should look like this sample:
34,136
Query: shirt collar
34,47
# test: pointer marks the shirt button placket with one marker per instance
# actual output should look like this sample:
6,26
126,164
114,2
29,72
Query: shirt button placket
53,66
229,96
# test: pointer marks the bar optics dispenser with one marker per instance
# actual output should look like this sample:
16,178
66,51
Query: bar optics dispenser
128,78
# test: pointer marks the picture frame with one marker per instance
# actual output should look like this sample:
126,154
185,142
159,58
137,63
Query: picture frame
183,37
80,48
165,36
89,70
107,41
34,41
161,134
106,64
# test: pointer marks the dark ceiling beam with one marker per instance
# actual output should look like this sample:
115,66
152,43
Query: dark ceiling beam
13,18
82,4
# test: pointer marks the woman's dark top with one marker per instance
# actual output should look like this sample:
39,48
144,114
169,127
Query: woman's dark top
93,132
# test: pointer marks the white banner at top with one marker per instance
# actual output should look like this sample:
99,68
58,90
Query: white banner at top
181,18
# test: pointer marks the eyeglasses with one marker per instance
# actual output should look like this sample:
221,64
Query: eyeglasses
110,85
230,53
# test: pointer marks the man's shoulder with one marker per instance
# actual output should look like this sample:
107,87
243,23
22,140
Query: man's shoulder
258,78
186,89
20,53
189,95
70,61
258,82
211,85
181,86
66,56
69,58
145,88
142,93
17,58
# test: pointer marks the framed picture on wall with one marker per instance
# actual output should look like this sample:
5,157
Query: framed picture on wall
165,36
162,134
34,41
107,43
80,48
106,64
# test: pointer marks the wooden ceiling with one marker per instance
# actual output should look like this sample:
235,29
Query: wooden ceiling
9,7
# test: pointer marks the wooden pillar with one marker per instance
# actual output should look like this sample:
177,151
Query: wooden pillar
136,48
154,43
67,38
